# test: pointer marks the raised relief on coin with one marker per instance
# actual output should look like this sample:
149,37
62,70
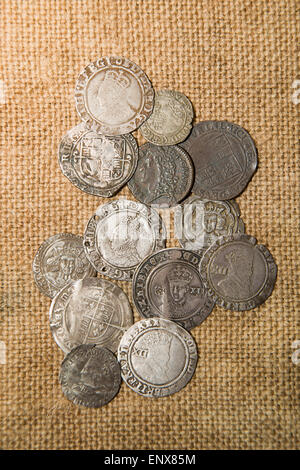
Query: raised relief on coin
97,164
120,235
157,357
90,376
167,284
90,311
171,119
59,260
164,175
224,157
239,274
113,96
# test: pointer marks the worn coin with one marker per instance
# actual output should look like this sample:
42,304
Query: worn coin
171,119
97,164
164,175
90,311
224,157
59,260
120,235
113,96
90,376
239,274
157,357
167,284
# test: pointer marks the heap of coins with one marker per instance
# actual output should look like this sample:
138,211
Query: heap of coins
174,289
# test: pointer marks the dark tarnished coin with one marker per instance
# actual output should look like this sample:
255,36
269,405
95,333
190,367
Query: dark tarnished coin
113,96
59,260
90,376
239,274
167,284
90,311
97,164
164,175
157,357
171,119
224,157
120,235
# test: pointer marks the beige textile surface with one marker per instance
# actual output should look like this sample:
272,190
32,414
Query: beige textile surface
235,60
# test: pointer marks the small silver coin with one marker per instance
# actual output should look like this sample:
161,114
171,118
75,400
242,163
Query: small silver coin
171,119
238,273
59,260
90,311
113,96
157,357
120,235
97,164
90,376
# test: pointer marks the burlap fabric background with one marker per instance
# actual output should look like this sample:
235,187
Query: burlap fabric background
235,60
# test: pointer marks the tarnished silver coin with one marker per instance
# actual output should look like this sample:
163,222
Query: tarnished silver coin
171,119
90,311
224,156
167,284
59,260
120,235
164,175
157,357
97,164
113,96
238,273
90,376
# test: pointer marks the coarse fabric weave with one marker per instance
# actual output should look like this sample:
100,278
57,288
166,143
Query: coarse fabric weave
236,60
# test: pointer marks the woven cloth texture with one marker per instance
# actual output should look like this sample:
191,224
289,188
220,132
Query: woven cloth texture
236,60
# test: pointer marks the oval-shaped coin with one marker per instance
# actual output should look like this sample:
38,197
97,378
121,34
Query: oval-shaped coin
167,284
224,157
239,274
90,376
90,311
97,164
59,260
171,119
113,96
157,357
120,235
164,175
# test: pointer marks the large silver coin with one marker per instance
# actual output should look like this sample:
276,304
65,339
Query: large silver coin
59,260
120,235
157,357
90,311
97,164
90,376
113,96
167,284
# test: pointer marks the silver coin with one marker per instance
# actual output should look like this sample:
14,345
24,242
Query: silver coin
59,260
90,376
167,284
171,119
90,311
120,235
97,164
113,96
239,274
157,357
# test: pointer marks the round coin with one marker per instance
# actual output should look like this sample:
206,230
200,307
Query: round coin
90,311
157,357
238,273
224,157
90,376
113,96
59,260
167,284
